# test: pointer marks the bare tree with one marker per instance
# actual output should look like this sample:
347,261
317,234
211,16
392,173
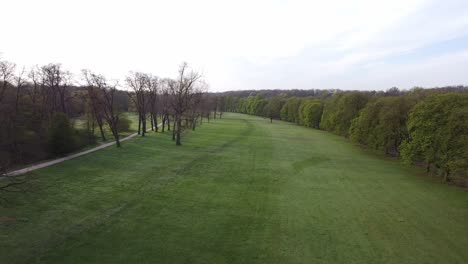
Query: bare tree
7,71
103,94
34,91
196,104
164,102
20,82
153,89
137,82
94,100
58,82
182,92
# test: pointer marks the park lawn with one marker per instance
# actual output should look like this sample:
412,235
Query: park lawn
80,123
239,190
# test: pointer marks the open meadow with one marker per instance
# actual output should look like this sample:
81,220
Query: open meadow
239,190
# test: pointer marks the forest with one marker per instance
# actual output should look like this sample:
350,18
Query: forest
422,127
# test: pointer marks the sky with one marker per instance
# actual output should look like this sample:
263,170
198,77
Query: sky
242,44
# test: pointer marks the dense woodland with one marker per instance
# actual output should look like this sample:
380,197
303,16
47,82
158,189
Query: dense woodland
39,106
424,127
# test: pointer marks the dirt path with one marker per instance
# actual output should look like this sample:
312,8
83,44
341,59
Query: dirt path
69,157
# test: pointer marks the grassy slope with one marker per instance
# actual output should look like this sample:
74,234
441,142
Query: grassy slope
240,190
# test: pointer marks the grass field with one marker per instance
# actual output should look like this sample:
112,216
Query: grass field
132,116
240,190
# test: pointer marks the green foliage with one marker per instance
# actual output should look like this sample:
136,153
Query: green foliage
310,113
435,134
252,105
61,135
438,128
382,124
339,112
290,110
273,108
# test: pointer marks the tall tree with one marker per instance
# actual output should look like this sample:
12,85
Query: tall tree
104,95
153,90
138,83
182,91
7,71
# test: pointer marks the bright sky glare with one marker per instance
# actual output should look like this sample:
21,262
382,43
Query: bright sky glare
247,44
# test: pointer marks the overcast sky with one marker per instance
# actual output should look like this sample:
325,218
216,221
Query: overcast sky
359,44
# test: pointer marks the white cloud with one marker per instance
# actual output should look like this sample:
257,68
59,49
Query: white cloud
237,44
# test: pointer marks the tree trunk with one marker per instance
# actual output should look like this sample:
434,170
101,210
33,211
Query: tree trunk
163,123
152,123
174,129
139,124
179,128
103,136
446,175
115,133
168,123
143,123
155,117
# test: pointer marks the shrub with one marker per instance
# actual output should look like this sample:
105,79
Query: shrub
123,124
61,135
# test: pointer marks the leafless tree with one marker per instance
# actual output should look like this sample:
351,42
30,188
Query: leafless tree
164,102
153,90
182,92
137,82
7,71
19,82
95,100
103,95
58,82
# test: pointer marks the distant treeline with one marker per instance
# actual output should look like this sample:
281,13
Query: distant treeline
426,127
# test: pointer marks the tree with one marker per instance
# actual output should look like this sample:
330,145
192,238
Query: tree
94,100
165,102
339,112
139,83
273,108
438,134
62,140
7,70
310,113
103,95
182,92
153,90
290,110
58,82
382,124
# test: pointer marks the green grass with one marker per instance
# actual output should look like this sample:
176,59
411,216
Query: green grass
240,190
80,123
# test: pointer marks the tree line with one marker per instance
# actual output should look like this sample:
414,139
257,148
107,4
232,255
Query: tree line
39,108
425,127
